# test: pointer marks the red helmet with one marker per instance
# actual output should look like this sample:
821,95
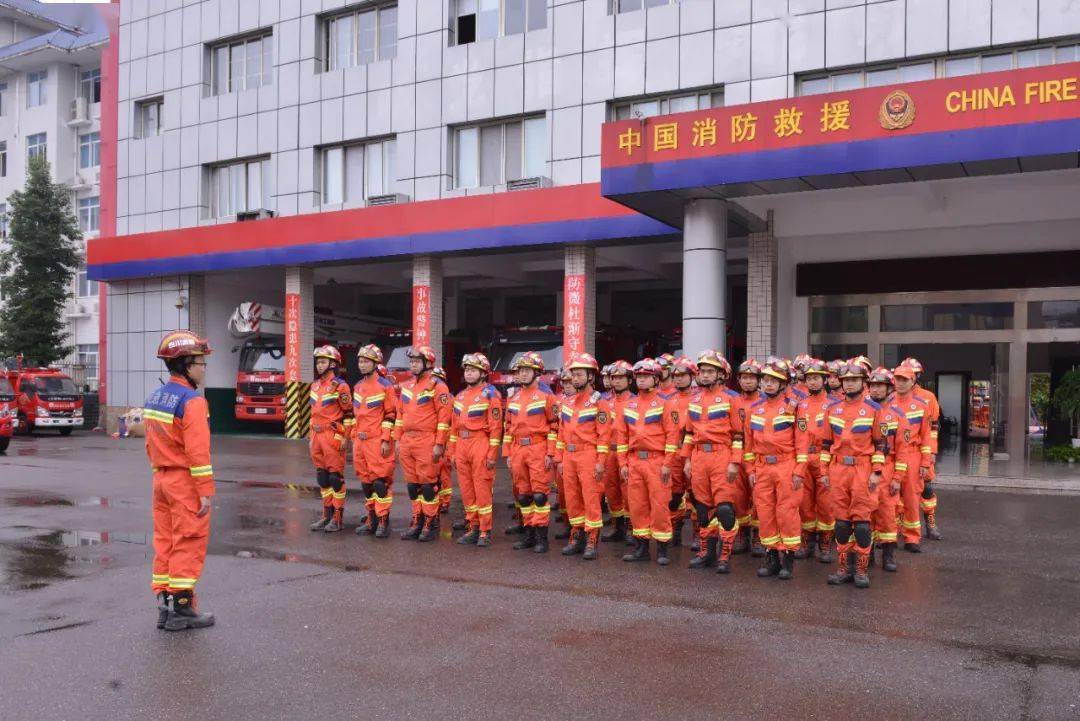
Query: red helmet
564,374
683,364
905,370
834,366
584,361
423,351
816,367
181,343
329,352
439,372
715,359
621,368
777,368
647,367
914,364
606,370
750,367
802,362
864,362
371,352
666,360
478,361
382,370
853,369
880,375
532,359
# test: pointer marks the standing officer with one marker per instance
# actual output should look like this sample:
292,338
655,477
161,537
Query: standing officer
776,449
815,510
529,440
445,485
585,433
331,423
178,446
683,371
883,518
615,488
421,431
566,393
914,452
929,498
647,431
666,387
475,437
832,381
799,365
749,382
375,408
854,450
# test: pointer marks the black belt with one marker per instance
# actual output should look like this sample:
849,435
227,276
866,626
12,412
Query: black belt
645,455
771,460
362,435
575,447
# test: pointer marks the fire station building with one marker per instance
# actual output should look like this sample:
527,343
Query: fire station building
895,178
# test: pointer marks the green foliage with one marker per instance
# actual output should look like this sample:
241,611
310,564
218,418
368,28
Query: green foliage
1063,453
41,258
1067,397
1040,395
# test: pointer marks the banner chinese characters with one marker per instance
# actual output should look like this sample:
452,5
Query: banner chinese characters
573,315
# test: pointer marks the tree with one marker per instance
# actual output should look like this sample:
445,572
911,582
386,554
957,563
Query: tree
38,263
1066,399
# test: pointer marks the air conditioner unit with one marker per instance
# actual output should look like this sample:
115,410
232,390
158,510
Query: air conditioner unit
78,115
81,180
389,199
260,214
77,310
539,181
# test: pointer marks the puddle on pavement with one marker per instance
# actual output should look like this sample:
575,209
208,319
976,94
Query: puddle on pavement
32,558
31,500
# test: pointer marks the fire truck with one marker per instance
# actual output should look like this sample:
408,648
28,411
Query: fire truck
8,413
45,398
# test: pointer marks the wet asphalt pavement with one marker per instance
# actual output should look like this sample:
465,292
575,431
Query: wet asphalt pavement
982,625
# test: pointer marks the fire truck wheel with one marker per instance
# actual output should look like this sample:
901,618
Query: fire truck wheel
66,431
4,443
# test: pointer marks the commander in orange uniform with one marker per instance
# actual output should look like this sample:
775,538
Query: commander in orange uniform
647,433
421,430
375,407
585,439
331,424
914,452
475,437
178,445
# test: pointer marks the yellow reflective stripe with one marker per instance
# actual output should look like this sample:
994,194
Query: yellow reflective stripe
622,448
825,457
670,448
376,397
661,536
594,524
425,502
442,426
453,438
542,509
399,422
160,416
771,540
809,525
826,526
386,424
482,510
577,520
736,445
493,441
183,583
924,449
748,456
560,445
507,438
800,458
792,540
350,422
911,524
200,471
901,466
641,532
877,458
446,492
552,436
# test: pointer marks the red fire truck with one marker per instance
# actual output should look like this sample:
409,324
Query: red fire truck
8,413
45,398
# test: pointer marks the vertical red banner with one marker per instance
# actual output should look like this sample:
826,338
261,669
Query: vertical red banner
573,315
421,315
292,338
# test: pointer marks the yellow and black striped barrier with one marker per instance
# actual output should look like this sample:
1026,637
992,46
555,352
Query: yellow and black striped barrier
297,409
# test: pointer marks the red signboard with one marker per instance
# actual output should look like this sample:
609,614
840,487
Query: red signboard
421,309
292,337
573,315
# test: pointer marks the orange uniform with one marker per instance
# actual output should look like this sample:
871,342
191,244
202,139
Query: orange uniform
815,508
331,423
883,524
677,502
423,423
475,437
530,436
647,430
713,439
912,445
584,441
929,498
614,489
776,452
375,408
178,445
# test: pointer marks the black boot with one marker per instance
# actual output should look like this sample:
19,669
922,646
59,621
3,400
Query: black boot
541,540
563,533
888,557
484,540
460,524
661,554
430,531
322,523
676,531
618,531
826,552
806,547
470,538
182,614
369,524
756,549
707,556
514,529
162,609
932,531
742,541
592,542
771,566
383,530
912,548
787,565
640,552
576,544
335,524
862,574
843,570
526,541
413,531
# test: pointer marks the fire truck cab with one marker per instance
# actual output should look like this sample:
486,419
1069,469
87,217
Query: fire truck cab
46,398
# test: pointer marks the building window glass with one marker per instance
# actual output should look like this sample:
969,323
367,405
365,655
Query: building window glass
3,99
626,6
89,214
88,356
36,145
90,85
486,19
89,150
947,316
148,117
833,351
496,153
851,319
240,187
35,88
358,38
1054,314
649,107
357,171
242,64
85,288
3,158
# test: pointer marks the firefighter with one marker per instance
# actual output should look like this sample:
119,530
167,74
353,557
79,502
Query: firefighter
475,439
605,381
712,448
929,501
914,452
566,393
615,487
529,441
832,381
883,518
666,386
585,435
800,366
178,446
375,407
854,451
445,485
647,430
815,509
421,431
331,423
683,371
749,538
775,461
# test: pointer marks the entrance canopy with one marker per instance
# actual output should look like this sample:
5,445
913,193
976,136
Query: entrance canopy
992,123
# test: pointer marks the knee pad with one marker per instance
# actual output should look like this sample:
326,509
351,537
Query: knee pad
414,491
843,531
725,513
675,503
702,513
379,487
322,477
368,489
928,490
427,490
540,499
862,533
524,500
337,482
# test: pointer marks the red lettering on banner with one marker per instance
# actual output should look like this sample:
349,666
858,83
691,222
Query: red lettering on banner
573,315
292,337
421,315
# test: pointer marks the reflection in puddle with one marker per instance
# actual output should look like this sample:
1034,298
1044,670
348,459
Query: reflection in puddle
32,558
31,500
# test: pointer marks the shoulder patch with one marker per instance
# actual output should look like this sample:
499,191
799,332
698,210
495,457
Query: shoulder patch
601,417
444,398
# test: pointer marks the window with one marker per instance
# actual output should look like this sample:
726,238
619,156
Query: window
358,171
88,357
89,150
242,64
240,187
35,88
90,85
36,145
3,98
648,107
3,158
485,19
358,38
1052,314
494,154
148,117
850,80
85,288
3,221
830,319
947,316
89,214
625,6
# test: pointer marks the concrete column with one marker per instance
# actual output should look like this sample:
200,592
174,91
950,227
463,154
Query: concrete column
301,282
453,305
428,303
704,276
761,294
1017,403
197,304
579,299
